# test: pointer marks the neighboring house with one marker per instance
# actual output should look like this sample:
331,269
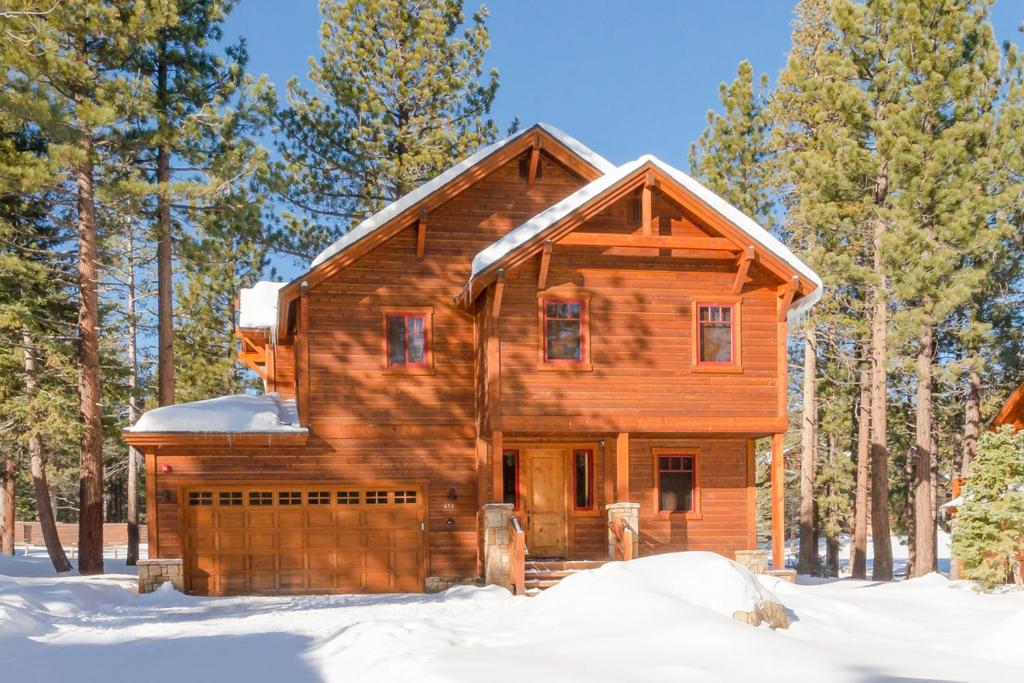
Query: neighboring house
534,326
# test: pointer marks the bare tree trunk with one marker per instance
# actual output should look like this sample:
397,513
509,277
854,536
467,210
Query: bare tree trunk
858,553
7,508
164,257
90,516
133,408
882,568
808,561
972,416
37,463
924,519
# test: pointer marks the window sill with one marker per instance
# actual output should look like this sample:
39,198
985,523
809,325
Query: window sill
565,367
688,516
585,513
718,369
409,371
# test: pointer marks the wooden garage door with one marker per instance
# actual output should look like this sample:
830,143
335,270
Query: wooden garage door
304,540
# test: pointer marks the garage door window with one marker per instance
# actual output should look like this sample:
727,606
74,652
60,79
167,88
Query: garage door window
376,497
289,498
230,498
200,498
405,497
261,498
319,498
348,497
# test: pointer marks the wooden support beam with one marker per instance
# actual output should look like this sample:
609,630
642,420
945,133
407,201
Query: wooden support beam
645,203
787,298
421,234
497,473
603,239
545,262
751,495
778,496
531,177
499,289
622,467
746,258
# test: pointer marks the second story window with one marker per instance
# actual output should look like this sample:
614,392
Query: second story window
716,334
563,331
407,338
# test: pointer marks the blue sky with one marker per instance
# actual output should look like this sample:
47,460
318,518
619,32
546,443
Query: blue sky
627,77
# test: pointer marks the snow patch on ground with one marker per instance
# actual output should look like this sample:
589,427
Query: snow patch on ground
664,618
236,414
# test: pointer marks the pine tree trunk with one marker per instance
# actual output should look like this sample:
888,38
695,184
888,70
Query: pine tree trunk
133,409
37,464
880,543
972,415
808,562
164,257
90,516
858,553
924,519
832,556
7,508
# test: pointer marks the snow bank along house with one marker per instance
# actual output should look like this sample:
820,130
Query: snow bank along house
535,327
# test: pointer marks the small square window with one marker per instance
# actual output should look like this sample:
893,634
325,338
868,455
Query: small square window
676,483
405,497
318,497
407,340
716,337
348,497
289,498
376,497
200,498
230,497
563,331
261,498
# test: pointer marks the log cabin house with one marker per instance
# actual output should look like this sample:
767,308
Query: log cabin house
535,327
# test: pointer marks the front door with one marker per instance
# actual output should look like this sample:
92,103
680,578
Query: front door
545,502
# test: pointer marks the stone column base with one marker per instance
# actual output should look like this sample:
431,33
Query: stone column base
154,573
754,560
631,513
496,567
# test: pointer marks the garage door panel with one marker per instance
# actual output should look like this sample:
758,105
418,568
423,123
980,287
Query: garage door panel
304,540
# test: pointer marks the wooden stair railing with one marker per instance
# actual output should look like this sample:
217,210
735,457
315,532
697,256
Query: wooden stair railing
623,536
516,556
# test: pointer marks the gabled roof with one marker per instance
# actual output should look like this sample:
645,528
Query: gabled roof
528,237
404,203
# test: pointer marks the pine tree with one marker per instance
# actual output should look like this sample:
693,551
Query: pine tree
66,76
731,156
397,97
988,531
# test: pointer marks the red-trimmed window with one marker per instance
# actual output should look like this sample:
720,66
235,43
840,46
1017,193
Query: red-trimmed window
563,331
583,479
716,334
677,481
510,477
407,340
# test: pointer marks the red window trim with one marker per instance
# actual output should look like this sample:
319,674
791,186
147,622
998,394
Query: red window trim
582,360
406,316
695,509
590,475
514,452
732,334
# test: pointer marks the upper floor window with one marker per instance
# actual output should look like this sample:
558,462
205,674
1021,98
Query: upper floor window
563,331
407,338
716,334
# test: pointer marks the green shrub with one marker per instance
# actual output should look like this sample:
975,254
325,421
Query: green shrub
988,531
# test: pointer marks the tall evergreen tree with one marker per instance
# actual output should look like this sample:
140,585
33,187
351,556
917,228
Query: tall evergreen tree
397,97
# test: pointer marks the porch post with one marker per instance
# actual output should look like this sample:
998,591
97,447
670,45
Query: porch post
778,483
622,467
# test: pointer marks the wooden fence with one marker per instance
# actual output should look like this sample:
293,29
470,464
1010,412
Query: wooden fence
114,534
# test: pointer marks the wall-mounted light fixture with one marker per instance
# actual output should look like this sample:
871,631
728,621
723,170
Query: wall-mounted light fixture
450,522
452,495
166,469
166,496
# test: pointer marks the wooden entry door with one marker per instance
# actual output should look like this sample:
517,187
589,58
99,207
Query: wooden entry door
545,502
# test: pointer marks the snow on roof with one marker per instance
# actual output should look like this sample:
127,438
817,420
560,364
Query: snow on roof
257,305
236,414
402,204
538,224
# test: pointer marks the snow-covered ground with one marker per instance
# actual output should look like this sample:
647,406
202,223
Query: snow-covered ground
654,619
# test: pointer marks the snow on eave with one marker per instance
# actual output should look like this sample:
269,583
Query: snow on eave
257,305
235,414
404,203
525,233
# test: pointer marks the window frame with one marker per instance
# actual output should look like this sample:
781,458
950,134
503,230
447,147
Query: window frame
696,511
591,475
564,295
514,452
732,303
426,313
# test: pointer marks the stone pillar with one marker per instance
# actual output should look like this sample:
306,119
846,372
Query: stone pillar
631,513
496,519
754,560
154,573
